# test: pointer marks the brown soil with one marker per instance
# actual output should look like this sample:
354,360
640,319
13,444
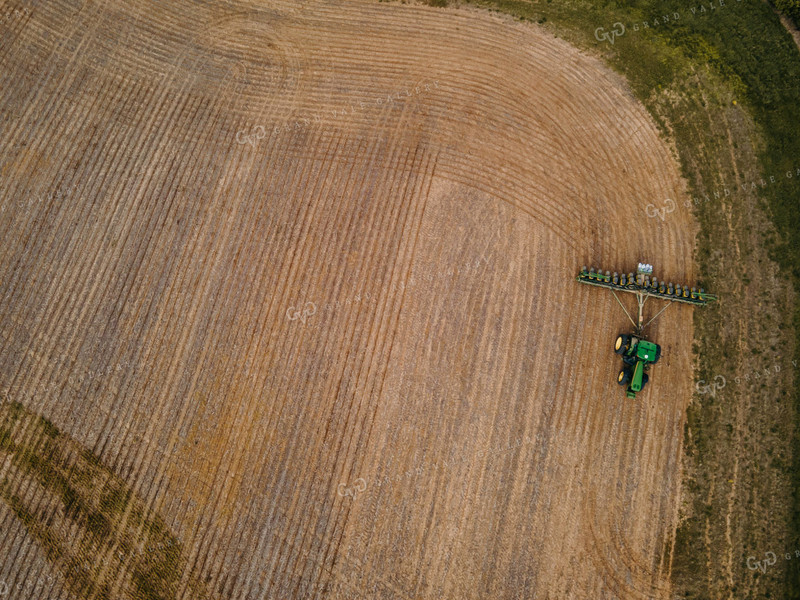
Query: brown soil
302,275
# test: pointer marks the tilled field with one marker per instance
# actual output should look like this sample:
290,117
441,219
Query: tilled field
289,310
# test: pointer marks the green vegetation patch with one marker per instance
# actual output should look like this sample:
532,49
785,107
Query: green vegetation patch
111,531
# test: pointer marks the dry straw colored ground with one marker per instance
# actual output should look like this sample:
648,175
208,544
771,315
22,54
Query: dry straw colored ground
299,277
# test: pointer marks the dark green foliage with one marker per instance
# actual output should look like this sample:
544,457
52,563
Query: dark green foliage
113,525
49,429
115,500
791,8
158,573
98,524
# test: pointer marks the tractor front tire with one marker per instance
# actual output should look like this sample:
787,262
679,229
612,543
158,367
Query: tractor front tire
645,379
622,343
624,376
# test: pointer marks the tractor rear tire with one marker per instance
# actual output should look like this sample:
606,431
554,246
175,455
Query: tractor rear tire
624,376
622,343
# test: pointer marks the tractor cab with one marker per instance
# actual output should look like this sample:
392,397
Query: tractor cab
637,356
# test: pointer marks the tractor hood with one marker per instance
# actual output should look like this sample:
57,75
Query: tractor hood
646,351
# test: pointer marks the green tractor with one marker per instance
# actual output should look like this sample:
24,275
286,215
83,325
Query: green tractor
637,353
637,356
